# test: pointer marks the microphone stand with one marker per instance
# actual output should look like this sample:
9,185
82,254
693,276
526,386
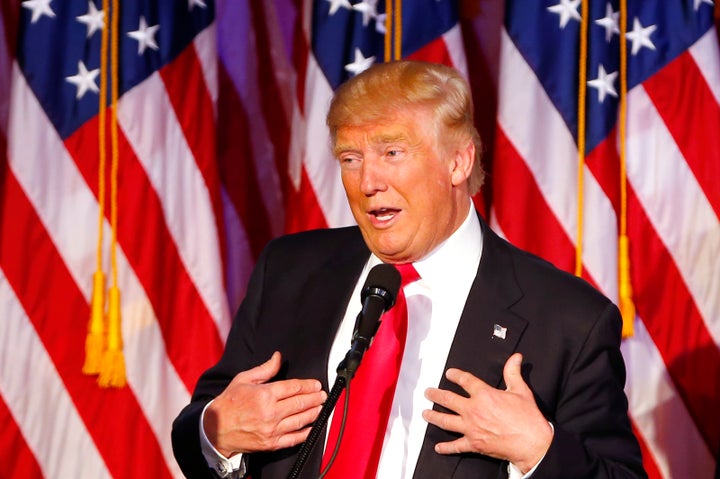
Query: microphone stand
341,381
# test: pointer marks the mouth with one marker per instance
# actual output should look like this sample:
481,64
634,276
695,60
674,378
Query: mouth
383,216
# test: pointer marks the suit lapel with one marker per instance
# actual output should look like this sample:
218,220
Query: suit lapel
476,348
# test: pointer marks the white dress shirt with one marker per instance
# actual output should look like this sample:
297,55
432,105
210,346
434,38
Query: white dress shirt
435,304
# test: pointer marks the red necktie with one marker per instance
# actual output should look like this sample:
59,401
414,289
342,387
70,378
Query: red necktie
371,395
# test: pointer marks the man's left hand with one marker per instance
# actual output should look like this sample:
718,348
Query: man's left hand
503,424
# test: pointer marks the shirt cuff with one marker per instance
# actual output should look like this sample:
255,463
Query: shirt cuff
515,473
230,468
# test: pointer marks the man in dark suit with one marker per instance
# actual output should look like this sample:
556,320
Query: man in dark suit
511,367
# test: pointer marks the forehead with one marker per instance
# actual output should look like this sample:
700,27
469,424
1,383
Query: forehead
410,125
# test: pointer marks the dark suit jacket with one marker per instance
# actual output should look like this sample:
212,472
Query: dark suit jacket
569,335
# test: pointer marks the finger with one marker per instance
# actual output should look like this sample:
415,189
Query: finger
293,438
446,399
447,422
512,375
300,402
262,373
290,388
467,381
299,421
457,446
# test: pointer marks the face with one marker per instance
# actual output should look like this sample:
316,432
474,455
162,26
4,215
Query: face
407,192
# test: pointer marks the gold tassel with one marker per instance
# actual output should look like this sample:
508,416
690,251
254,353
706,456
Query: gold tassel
112,370
95,340
627,307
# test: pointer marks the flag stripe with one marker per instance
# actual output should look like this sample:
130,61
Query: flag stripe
523,213
706,53
184,81
235,153
657,165
183,202
24,463
662,300
155,257
659,411
141,334
99,410
696,145
31,410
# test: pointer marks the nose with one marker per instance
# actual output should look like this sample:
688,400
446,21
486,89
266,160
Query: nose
372,176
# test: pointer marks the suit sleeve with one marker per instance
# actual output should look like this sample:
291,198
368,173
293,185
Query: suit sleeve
593,437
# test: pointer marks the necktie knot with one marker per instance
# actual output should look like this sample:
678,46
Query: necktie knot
408,274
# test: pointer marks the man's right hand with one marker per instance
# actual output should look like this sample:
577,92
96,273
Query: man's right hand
252,415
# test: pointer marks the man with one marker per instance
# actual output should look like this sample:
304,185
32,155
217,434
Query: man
511,367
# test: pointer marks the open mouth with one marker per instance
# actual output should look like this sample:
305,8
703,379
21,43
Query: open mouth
383,215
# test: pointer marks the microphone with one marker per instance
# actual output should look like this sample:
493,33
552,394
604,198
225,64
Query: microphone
377,296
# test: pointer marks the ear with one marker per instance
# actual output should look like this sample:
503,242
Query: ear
463,163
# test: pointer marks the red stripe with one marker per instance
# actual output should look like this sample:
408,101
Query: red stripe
674,323
693,119
436,51
189,96
300,54
191,337
303,210
604,163
522,212
649,463
16,457
274,116
237,168
59,313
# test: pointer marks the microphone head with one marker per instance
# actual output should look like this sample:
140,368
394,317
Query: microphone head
383,281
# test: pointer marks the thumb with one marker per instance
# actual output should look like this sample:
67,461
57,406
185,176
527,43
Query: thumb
262,373
511,374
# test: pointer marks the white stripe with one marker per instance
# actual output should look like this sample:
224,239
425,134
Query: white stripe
456,49
238,256
238,52
549,151
322,168
675,205
551,156
659,412
66,207
706,54
38,400
5,71
148,120
205,45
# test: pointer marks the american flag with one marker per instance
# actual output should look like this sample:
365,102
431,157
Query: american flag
222,146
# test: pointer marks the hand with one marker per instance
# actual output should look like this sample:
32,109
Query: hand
253,415
502,424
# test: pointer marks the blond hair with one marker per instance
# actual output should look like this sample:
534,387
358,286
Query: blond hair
387,89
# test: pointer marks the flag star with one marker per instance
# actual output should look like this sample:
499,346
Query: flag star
380,23
640,37
336,4
360,64
368,8
196,3
700,2
604,83
609,22
567,10
39,8
84,80
94,19
145,35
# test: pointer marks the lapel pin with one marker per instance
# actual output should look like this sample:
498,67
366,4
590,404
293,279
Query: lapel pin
499,331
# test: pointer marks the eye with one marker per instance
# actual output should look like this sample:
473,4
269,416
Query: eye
349,161
393,152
